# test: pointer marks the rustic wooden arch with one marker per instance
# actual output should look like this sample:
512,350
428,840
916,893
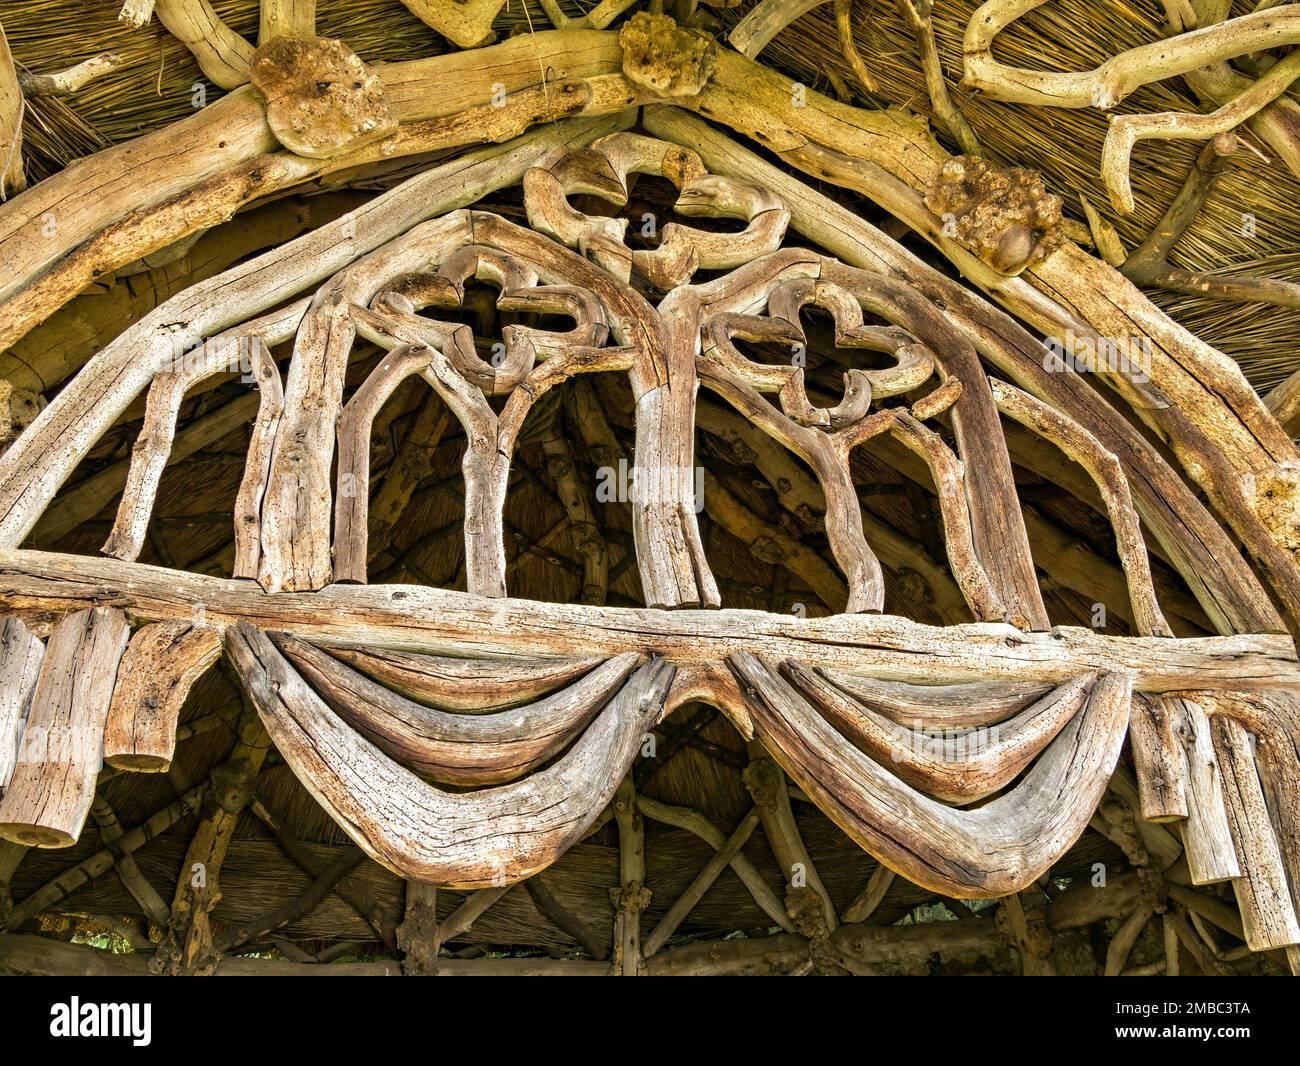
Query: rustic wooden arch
820,699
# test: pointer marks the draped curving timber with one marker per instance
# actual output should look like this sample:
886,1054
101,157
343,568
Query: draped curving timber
466,738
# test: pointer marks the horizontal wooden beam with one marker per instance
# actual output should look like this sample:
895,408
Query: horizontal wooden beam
441,621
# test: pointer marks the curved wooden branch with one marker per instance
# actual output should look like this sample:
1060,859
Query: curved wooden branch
994,850
950,481
1109,83
954,767
1126,130
161,664
472,840
755,31
1081,446
458,749
472,686
150,452
352,501
222,54
20,665
939,706
257,467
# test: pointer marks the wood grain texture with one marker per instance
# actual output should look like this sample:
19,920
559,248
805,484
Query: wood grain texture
53,785
458,749
20,665
997,849
161,665
458,840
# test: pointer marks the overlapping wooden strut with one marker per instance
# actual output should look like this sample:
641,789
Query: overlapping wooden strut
469,740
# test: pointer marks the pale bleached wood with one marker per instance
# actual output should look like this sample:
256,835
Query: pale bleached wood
466,23
955,767
20,664
53,785
1081,446
994,850
352,501
222,54
1263,896
152,448
755,31
955,489
1158,759
257,467
36,464
413,618
473,840
12,108
1205,556
160,666
458,749
473,686
1207,833
940,706
278,18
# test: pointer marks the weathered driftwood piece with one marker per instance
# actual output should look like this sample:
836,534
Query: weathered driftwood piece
939,706
873,892
994,850
278,18
12,107
1179,365
110,831
1126,130
257,468
321,99
472,686
160,666
1207,833
1111,82
802,497
755,31
954,767
950,479
467,23
1263,896
414,618
630,896
1207,559
53,785
351,505
112,379
102,861
20,665
419,831
807,902
189,944
1081,446
222,54
459,749
1159,759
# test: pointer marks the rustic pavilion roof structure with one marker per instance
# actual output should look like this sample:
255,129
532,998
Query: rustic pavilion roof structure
656,489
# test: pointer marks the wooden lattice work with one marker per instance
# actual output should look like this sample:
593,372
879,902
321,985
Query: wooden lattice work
468,739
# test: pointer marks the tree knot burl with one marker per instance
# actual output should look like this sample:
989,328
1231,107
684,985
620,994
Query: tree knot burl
321,99
1005,216
807,911
665,58
631,898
